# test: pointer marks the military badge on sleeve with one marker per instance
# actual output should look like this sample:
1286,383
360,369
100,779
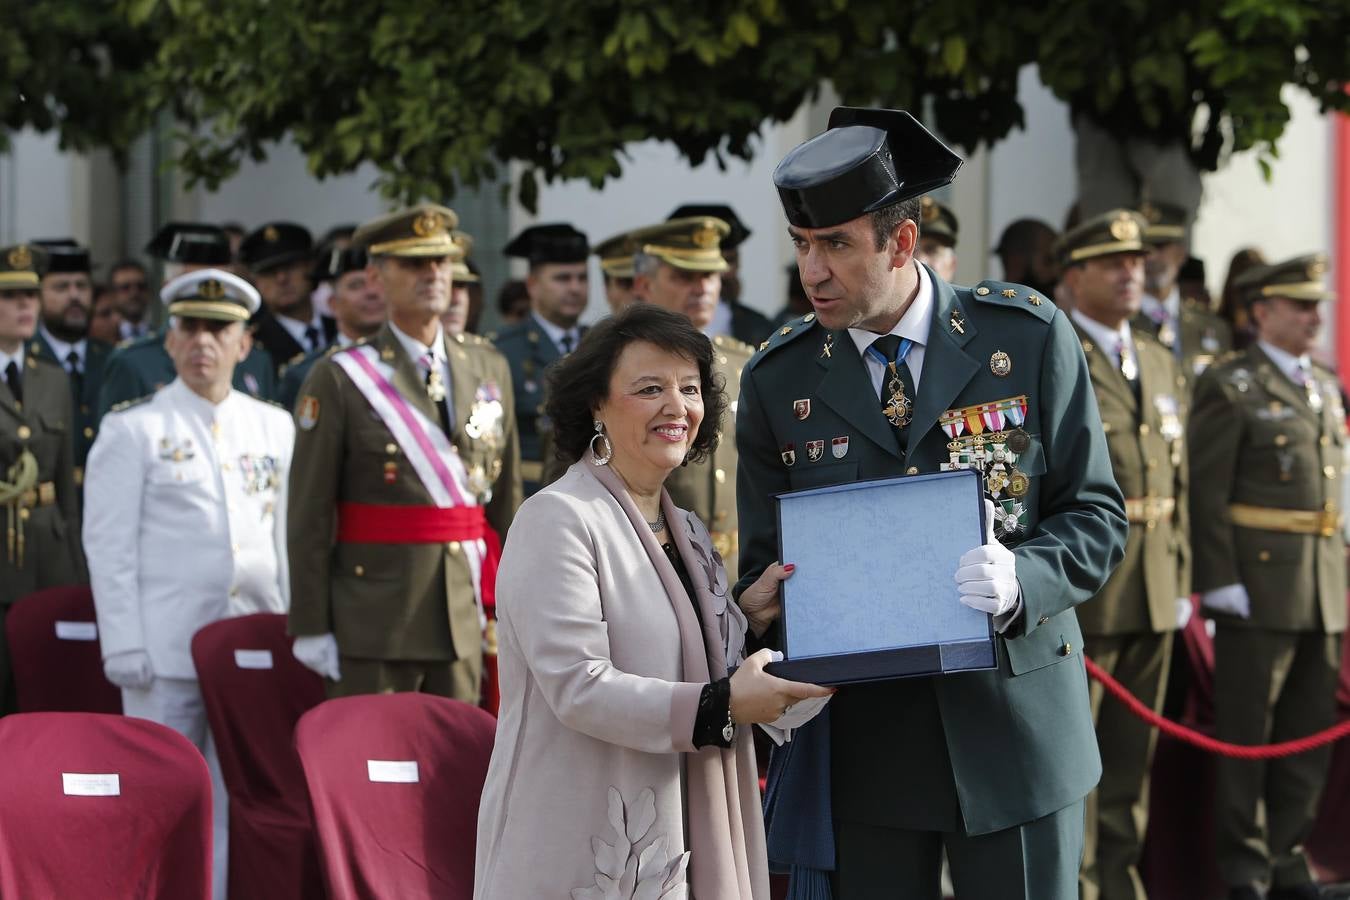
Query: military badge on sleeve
307,412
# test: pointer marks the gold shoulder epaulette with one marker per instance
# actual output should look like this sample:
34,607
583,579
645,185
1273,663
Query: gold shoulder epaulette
128,404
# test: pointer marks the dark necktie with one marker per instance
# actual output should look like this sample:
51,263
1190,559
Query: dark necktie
436,390
15,382
76,378
897,383
312,337
567,343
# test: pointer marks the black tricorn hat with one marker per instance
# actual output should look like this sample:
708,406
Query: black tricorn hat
193,243
554,242
276,244
63,255
869,159
739,232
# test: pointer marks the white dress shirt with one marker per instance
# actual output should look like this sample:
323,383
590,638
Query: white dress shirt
914,325
721,321
1289,364
556,334
296,329
6,359
185,520
416,350
1108,338
1167,309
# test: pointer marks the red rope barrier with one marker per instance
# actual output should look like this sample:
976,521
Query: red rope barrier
1204,741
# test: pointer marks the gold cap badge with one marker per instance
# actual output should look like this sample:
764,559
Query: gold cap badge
1125,228
21,258
928,210
271,235
706,236
428,224
211,289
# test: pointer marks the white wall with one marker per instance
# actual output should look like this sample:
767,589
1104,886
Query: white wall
38,186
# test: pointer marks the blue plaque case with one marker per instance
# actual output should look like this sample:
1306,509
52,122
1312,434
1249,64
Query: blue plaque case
874,594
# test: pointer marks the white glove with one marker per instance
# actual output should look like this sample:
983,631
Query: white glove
987,575
1231,598
130,669
1184,610
798,714
319,653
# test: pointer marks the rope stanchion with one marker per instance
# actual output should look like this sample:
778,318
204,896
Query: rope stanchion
1204,741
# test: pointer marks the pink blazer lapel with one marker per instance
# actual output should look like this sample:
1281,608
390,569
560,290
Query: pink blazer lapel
692,643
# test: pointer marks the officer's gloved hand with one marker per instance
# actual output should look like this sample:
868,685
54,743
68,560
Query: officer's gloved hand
1184,610
987,575
130,669
1230,598
319,653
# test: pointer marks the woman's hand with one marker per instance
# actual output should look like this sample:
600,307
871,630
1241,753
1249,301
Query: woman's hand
761,601
757,696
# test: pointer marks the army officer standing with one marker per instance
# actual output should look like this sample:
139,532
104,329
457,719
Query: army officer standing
406,474
1127,627
1267,433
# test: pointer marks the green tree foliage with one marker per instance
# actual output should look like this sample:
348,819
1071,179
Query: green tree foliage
441,95
76,67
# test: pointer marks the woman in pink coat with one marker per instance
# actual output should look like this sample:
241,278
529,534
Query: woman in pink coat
621,767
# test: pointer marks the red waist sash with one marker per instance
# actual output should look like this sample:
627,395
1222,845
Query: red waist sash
371,523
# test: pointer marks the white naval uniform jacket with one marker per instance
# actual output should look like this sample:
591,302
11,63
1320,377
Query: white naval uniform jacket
185,520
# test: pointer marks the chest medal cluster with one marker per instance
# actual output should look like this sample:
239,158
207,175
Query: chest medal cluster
988,437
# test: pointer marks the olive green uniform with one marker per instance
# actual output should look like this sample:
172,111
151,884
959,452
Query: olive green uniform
1128,625
404,615
1264,510
978,761
1195,341
84,394
37,495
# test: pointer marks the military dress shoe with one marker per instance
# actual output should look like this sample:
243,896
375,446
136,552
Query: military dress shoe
1297,892
1246,892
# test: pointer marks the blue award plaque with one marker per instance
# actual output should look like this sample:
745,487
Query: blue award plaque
874,594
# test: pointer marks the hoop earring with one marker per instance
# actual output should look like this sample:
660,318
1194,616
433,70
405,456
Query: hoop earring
600,435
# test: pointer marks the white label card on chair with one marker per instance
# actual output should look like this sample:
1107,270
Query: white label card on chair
76,631
78,784
253,659
392,771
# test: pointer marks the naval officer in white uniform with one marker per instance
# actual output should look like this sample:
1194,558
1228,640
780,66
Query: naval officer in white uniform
185,519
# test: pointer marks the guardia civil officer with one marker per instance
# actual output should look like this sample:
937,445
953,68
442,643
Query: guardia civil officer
185,517
559,286
37,479
937,237
1128,625
885,378
280,257
406,474
1267,434
141,366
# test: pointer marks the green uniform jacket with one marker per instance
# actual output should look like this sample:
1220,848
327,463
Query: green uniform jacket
294,373
86,404
529,351
1149,461
1256,441
1019,738
51,532
142,366
1204,339
749,325
392,601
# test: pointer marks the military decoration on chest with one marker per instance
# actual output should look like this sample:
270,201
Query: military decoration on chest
988,437
175,450
485,416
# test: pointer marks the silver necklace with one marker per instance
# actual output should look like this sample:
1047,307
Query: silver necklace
660,524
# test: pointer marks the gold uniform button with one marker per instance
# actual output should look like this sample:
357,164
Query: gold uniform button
1324,440
1144,430
1067,649
24,432
453,546
358,571
1264,556
24,514
224,467
721,476
391,449
1329,471
1281,440
1106,428
88,432
912,470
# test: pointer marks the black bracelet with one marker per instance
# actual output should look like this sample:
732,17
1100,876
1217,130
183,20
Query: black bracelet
712,724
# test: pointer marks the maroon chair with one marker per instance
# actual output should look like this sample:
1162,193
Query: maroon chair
395,781
255,691
95,805
54,651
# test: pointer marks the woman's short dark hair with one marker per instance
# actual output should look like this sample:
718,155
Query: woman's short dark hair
579,383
